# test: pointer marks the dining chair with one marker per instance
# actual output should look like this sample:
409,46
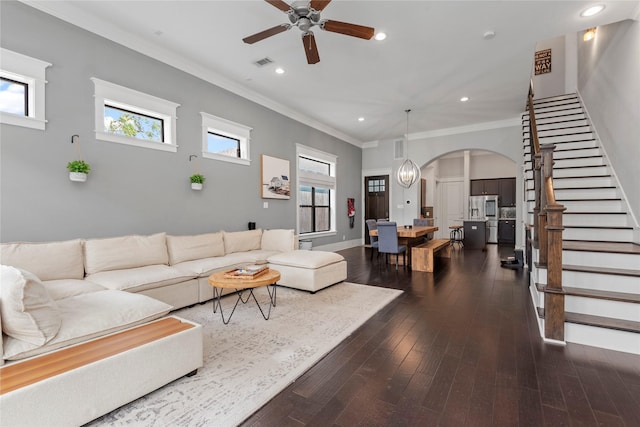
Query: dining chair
371,225
388,241
424,222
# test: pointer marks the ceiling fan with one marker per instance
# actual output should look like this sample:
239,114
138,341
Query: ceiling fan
304,15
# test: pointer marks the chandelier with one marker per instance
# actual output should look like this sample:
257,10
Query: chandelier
409,172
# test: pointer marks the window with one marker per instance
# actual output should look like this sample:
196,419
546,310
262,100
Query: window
316,179
225,140
130,117
22,81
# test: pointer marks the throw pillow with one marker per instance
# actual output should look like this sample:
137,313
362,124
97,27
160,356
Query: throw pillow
278,240
28,313
242,241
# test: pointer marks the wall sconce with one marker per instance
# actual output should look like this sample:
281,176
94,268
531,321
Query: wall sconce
589,34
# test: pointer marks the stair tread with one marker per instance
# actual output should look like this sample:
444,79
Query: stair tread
601,270
612,247
581,176
604,322
599,294
592,213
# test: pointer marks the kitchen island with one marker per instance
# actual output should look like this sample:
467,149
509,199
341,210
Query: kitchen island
475,233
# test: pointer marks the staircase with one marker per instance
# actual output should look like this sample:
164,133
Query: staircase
601,264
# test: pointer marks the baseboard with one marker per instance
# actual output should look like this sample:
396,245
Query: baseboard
332,247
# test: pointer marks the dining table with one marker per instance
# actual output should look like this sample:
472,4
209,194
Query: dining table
410,236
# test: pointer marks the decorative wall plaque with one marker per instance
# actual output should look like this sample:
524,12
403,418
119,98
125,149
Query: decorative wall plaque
543,62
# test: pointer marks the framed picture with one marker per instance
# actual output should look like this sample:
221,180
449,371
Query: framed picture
274,174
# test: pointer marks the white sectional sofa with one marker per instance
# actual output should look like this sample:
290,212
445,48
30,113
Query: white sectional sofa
60,294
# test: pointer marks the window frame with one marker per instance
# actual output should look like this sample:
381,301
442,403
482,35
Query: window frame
316,180
31,72
228,129
123,98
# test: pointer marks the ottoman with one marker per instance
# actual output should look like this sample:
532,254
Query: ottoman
309,270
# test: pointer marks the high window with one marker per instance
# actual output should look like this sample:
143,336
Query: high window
225,140
316,179
22,90
127,116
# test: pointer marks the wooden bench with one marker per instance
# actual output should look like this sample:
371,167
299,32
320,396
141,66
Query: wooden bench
422,255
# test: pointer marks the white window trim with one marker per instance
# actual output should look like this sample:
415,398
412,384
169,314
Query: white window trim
307,178
211,123
139,102
31,71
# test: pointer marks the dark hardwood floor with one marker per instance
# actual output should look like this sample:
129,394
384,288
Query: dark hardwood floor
459,347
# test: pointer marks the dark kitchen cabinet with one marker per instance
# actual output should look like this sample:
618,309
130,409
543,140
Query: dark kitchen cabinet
506,231
507,192
481,187
503,187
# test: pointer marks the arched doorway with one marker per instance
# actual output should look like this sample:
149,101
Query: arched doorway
448,179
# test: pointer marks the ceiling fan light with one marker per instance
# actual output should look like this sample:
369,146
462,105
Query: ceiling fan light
408,173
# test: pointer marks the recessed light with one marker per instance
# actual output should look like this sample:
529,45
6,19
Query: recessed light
464,99
593,10
279,70
361,119
489,35
380,36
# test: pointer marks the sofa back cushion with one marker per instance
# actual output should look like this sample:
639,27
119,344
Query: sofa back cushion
48,261
118,253
187,248
242,241
28,313
278,240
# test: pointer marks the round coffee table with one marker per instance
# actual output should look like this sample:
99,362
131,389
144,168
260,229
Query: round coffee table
241,286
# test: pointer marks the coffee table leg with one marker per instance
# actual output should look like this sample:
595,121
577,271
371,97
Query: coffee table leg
217,295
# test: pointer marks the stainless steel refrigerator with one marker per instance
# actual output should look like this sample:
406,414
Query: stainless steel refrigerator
486,208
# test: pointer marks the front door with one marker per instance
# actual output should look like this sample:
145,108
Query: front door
376,200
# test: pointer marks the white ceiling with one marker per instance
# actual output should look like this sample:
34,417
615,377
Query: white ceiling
434,54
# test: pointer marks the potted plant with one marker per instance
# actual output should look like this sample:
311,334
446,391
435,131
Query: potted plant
78,170
196,181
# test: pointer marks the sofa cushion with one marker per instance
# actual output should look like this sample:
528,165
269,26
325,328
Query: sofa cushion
242,241
65,288
305,259
186,248
28,312
48,261
118,253
278,240
141,278
89,316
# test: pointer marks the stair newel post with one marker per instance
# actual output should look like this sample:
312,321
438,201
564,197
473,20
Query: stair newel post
554,295
539,215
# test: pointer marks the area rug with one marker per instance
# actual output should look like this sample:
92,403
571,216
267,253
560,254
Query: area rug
250,360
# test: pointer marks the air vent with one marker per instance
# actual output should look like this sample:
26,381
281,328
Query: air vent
262,62
398,149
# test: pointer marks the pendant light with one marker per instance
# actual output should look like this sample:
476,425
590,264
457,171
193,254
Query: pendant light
409,172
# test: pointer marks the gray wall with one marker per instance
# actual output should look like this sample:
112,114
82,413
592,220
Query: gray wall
131,189
553,83
609,83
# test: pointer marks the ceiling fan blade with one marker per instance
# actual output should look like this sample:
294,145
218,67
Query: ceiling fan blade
319,5
266,33
310,48
279,4
348,29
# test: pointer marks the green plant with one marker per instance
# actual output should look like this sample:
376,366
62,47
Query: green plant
79,166
197,178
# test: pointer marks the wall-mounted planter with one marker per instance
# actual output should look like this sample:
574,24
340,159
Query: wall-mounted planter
77,176
196,186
